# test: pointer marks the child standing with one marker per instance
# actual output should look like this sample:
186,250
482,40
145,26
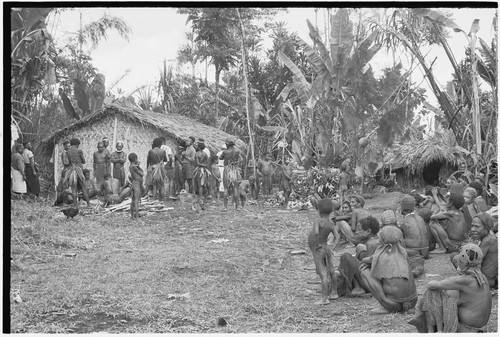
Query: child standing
137,189
322,254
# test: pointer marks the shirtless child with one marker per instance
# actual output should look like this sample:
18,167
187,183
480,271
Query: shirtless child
286,180
322,254
243,189
448,228
137,189
470,288
344,178
266,169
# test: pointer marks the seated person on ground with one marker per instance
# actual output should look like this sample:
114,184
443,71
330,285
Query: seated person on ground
112,191
414,229
448,228
469,291
387,273
350,230
482,224
322,254
425,214
350,280
90,184
479,200
470,208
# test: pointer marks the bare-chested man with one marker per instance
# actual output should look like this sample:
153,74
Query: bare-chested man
112,191
350,230
322,254
387,273
351,282
266,168
470,288
344,178
414,229
105,142
201,174
448,228
76,160
231,175
100,164
482,224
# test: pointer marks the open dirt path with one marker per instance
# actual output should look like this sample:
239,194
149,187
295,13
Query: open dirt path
183,272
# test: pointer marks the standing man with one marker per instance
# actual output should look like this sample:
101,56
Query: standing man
100,164
118,159
75,172
105,142
188,162
231,176
31,170
65,162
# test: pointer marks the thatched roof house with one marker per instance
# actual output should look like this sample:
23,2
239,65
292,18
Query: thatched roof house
423,162
136,128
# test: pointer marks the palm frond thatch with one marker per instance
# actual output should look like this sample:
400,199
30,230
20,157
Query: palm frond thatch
414,156
172,125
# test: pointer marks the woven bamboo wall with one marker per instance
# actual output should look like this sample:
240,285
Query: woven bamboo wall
135,137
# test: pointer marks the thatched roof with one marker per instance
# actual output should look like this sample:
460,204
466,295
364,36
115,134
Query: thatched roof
173,125
414,156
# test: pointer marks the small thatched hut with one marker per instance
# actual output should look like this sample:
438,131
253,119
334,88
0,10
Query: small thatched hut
421,162
136,128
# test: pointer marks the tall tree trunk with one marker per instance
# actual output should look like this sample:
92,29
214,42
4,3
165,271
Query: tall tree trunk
217,76
476,113
247,95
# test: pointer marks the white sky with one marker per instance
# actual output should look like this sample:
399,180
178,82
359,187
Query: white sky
158,33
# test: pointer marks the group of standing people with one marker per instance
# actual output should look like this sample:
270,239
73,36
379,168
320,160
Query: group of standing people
391,254
24,171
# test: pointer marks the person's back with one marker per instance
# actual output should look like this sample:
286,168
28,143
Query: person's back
415,235
75,156
156,156
474,302
454,224
317,240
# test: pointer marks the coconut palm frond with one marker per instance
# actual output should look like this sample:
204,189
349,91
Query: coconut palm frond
97,30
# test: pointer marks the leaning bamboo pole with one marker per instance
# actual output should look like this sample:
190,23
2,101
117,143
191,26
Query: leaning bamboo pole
243,60
476,113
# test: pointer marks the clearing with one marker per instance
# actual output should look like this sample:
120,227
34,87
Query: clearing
181,271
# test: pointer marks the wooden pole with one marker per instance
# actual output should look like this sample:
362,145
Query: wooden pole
243,59
476,113
56,166
114,133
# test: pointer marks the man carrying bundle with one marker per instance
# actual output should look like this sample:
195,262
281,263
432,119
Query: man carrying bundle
231,176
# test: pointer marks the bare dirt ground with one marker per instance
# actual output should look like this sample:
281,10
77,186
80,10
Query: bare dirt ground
181,271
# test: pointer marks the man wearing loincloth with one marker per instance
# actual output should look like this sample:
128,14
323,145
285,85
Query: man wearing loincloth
231,175
74,174
387,273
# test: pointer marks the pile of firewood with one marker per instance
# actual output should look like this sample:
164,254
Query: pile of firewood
144,205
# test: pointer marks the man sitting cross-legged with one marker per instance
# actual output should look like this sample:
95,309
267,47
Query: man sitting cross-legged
350,231
459,303
350,281
448,228
387,273
415,234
